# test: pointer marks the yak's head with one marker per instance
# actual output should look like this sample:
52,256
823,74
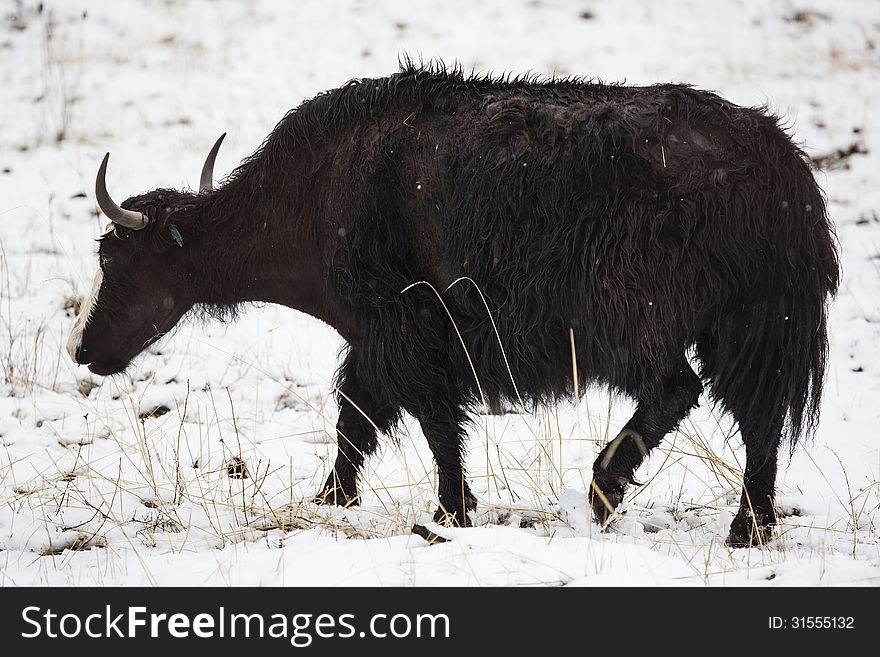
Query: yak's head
140,290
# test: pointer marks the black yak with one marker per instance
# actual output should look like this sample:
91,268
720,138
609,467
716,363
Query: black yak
467,235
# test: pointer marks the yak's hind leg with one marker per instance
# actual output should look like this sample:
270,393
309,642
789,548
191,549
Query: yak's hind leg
758,366
756,515
656,415
355,434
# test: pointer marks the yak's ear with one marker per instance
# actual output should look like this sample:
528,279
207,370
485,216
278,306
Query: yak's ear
175,235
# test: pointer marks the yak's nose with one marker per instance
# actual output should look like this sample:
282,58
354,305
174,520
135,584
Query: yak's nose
77,352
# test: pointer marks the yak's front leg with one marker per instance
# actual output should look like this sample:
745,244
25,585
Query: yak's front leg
360,414
443,426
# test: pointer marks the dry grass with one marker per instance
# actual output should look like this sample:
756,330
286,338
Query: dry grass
201,481
112,470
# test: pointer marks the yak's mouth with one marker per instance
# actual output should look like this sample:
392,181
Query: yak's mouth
106,366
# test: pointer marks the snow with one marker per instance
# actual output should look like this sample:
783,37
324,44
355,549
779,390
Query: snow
99,486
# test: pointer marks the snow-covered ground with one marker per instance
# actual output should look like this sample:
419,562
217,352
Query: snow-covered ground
126,480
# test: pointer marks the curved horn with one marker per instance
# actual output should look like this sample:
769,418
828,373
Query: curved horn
206,182
127,218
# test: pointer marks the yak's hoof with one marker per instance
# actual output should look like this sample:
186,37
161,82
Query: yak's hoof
337,497
748,531
747,539
455,513
605,497
451,518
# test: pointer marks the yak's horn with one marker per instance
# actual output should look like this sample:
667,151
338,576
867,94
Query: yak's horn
206,182
127,218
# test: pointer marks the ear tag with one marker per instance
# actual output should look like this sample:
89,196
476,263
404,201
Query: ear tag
176,235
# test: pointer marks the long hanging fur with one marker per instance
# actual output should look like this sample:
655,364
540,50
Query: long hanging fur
647,221
466,235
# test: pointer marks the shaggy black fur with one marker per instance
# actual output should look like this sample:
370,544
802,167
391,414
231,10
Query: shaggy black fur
653,222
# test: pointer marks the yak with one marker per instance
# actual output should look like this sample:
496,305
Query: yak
475,238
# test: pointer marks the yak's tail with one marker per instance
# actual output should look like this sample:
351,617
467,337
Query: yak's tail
766,359
767,365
